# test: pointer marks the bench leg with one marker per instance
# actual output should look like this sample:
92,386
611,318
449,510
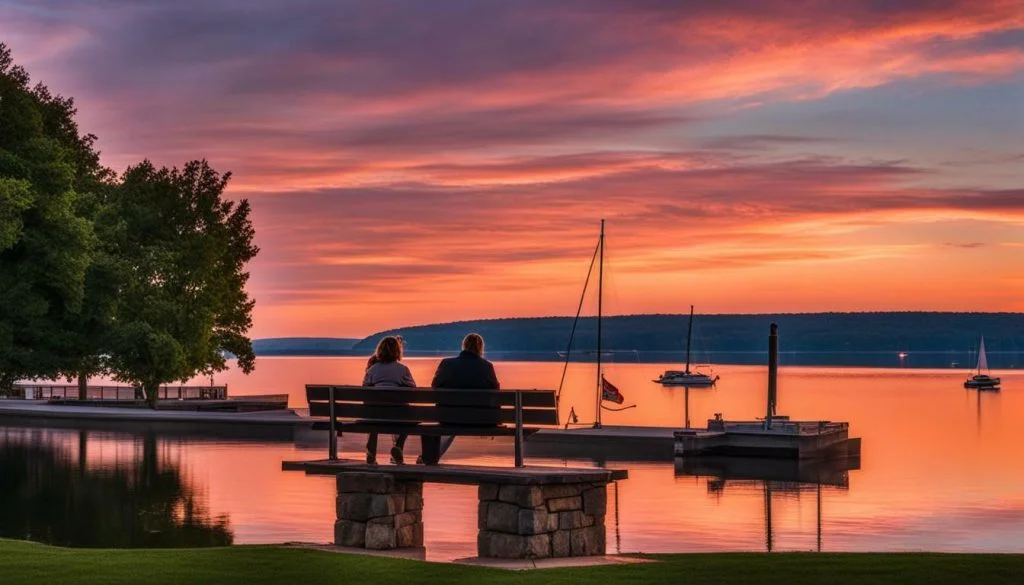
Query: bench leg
431,447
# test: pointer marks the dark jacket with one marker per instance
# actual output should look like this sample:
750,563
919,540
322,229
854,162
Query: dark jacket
468,371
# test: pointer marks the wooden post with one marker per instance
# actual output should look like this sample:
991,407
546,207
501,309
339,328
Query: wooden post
332,441
519,429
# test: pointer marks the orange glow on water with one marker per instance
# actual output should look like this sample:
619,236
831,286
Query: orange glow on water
940,469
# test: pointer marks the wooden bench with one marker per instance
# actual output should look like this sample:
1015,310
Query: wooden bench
430,412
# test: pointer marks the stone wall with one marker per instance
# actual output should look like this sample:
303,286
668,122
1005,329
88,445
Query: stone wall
542,521
376,511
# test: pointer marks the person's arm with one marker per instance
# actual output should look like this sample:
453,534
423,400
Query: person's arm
493,377
407,379
441,375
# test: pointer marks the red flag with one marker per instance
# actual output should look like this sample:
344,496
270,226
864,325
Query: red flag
610,393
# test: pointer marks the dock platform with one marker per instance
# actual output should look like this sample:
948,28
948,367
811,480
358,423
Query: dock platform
271,424
604,443
785,439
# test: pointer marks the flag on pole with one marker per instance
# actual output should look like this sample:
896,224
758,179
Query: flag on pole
610,393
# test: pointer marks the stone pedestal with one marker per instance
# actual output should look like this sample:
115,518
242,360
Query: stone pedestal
376,511
541,521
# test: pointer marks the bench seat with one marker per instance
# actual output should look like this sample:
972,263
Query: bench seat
431,412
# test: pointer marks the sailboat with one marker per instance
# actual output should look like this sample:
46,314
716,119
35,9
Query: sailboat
605,389
686,377
982,381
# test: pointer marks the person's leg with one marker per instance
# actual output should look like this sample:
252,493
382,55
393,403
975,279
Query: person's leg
371,448
431,447
446,443
396,452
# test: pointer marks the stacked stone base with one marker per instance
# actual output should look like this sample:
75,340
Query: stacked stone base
375,511
542,521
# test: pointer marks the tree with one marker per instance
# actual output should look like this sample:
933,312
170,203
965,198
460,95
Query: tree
182,251
46,245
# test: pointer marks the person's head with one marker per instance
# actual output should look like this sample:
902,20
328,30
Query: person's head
473,343
389,350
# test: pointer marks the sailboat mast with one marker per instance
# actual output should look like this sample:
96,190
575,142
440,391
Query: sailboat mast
982,358
689,340
600,299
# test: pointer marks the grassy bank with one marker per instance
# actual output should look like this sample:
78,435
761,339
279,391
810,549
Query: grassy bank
29,563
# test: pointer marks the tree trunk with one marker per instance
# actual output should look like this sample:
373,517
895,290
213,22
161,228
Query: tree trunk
152,393
6,384
83,385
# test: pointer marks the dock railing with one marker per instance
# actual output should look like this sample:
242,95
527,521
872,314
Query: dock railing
70,392
782,427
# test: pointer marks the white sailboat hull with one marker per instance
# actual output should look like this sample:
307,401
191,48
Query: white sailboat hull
677,378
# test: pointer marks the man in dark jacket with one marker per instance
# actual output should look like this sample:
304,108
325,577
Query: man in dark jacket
468,371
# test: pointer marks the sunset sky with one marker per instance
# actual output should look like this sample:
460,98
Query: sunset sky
421,161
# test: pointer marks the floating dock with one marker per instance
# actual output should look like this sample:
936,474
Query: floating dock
604,443
773,437
785,439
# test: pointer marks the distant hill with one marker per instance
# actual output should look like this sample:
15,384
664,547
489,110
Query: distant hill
303,345
930,339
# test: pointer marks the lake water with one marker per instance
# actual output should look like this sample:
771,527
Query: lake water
941,469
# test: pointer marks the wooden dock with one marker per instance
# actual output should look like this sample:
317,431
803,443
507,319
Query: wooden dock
234,404
270,425
784,439
604,443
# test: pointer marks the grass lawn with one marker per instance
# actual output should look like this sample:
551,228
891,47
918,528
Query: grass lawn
22,562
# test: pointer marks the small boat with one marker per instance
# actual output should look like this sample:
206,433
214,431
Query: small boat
980,380
686,377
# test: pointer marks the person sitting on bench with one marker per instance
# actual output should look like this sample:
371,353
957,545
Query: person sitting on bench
468,371
388,371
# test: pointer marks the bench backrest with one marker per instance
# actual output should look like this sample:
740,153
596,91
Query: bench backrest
427,405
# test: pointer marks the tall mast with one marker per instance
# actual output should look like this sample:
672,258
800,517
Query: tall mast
982,358
773,374
689,340
600,299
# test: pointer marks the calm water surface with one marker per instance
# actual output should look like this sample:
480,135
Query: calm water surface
941,469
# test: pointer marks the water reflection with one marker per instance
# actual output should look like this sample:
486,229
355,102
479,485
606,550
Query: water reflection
54,490
942,467
991,400
772,477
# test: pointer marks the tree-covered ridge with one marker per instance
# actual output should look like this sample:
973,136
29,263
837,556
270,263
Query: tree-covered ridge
141,276
715,336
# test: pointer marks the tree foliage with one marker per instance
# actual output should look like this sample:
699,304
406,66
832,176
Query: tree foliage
183,251
142,276
46,246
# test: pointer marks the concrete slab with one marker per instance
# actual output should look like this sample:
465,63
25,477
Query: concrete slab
411,554
561,563
464,474
419,554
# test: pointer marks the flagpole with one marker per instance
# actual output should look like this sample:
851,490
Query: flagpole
600,295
